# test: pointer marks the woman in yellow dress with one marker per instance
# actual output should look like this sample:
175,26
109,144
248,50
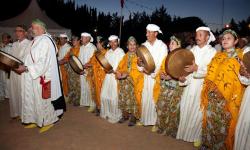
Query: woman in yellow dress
98,73
74,94
168,104
221,95
130,84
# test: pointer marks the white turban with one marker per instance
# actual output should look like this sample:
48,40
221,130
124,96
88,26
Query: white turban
153,27
63,35
246,50
113,37
85,34
211,35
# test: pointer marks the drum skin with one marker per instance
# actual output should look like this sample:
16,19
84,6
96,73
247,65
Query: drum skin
9,60
176,62
147,59
104,62
75,65
246,61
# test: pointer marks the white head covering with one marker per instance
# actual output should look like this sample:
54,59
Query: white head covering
85,34
245,40
153,27
63,35
211,36
246,49
113,37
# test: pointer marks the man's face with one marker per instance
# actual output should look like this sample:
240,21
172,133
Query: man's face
85,40
62,40
20,33
151,35
35,29
5,39
113,44
201,37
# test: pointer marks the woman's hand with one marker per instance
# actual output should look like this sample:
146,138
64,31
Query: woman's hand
191,68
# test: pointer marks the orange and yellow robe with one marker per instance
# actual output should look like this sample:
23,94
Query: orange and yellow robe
129,65
98,75
168,104
74,88
220,101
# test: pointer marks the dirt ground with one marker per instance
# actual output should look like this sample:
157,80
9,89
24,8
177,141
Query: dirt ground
80,130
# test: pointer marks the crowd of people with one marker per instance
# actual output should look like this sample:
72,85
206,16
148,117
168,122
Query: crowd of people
207,107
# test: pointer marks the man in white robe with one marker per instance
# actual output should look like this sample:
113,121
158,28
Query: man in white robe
39,62
242,131
19,50
64,48
109,91
190,111
158,50
4,80
86,52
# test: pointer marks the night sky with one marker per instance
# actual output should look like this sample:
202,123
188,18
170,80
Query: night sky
210,11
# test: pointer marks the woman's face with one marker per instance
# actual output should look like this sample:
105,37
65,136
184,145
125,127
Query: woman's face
99,45
173,45
132,46
228,41
75,42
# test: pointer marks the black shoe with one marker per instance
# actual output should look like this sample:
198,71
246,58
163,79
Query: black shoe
132,121
97,112
122,120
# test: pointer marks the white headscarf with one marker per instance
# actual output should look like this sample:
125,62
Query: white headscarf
85,34
153,27
113,37
63,35
211,36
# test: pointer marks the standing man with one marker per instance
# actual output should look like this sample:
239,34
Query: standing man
40,62
63,50
109,91
19,50
4,81
86,52
158,50
190,111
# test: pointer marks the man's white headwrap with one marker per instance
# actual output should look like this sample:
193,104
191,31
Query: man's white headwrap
85,34
113,37
63,35
153,27
211,35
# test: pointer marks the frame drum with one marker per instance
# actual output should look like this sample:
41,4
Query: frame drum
76,64
147,59
9,61
104,62
176,62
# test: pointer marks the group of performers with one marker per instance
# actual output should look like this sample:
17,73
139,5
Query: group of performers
207,107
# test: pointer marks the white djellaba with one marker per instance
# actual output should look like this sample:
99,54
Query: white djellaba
242,131
190,124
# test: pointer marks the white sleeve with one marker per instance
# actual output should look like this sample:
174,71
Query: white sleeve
244,80
188,80
41,63
201,72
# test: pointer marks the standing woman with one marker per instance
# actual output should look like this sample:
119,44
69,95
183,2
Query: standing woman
221,95
168,105
98,73
74,78
242,132
130,84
